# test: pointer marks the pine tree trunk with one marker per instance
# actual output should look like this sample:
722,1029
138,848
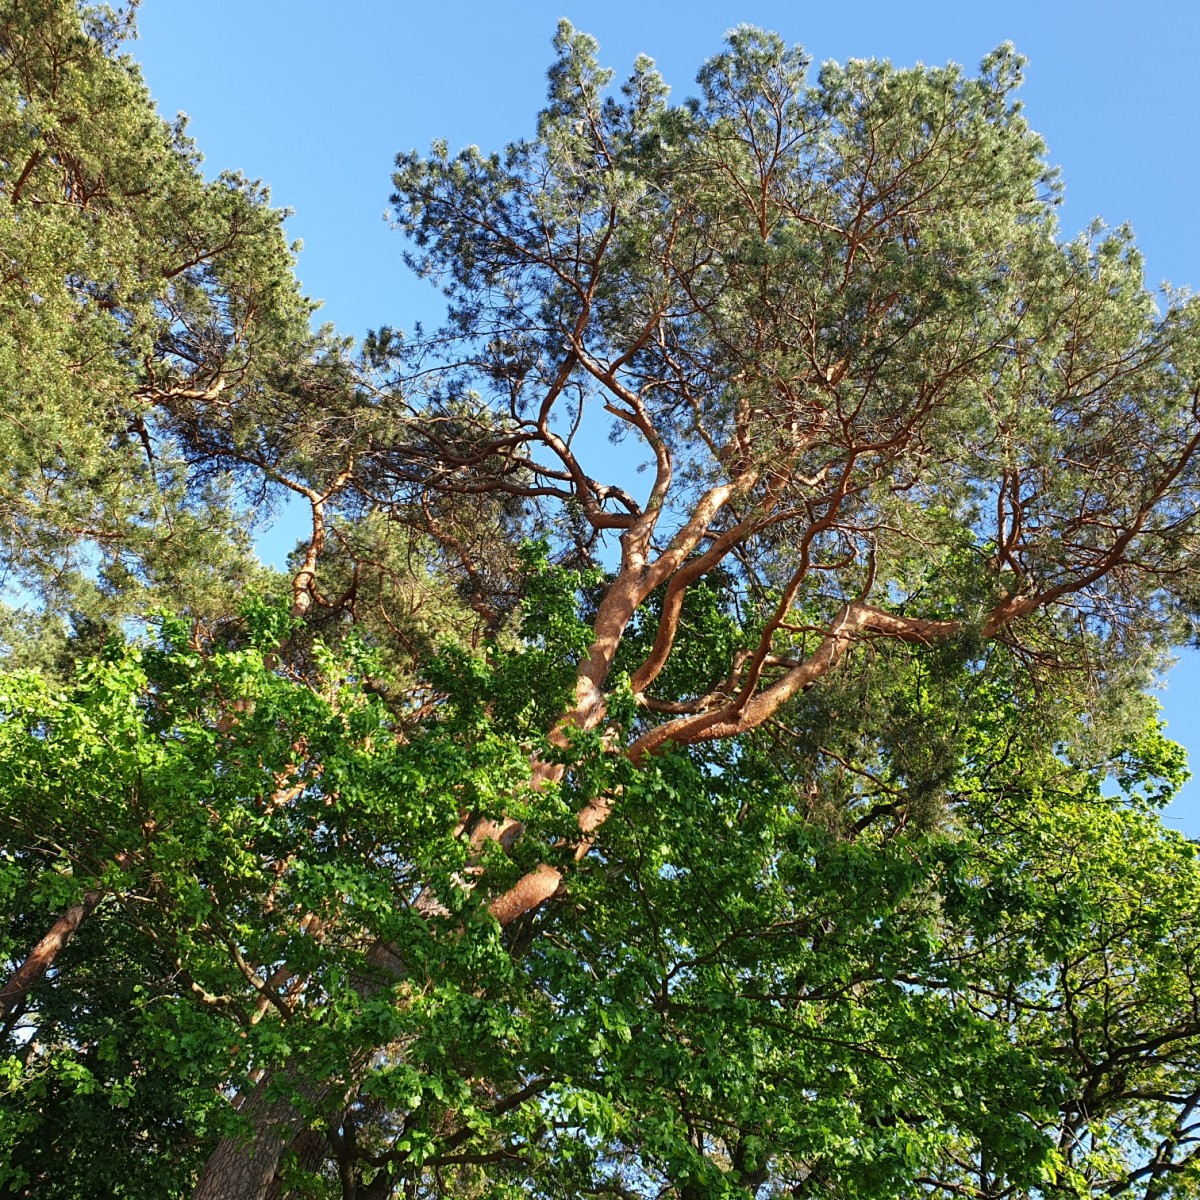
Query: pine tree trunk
241,1170
249,1170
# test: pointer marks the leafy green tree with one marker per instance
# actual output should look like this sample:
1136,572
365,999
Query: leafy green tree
748,989
216,820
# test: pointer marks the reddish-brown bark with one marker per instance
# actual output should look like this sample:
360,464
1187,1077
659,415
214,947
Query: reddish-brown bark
43,955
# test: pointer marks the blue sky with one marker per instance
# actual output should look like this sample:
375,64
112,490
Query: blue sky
316,101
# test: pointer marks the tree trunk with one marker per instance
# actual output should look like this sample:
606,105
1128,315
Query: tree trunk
241,1169
249,1170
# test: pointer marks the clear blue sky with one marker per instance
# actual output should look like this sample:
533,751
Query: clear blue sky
317,99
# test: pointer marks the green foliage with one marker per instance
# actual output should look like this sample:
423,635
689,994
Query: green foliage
738,996
200,793
886,911
137,297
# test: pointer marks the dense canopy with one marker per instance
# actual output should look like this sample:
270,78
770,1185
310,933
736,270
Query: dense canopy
701,747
